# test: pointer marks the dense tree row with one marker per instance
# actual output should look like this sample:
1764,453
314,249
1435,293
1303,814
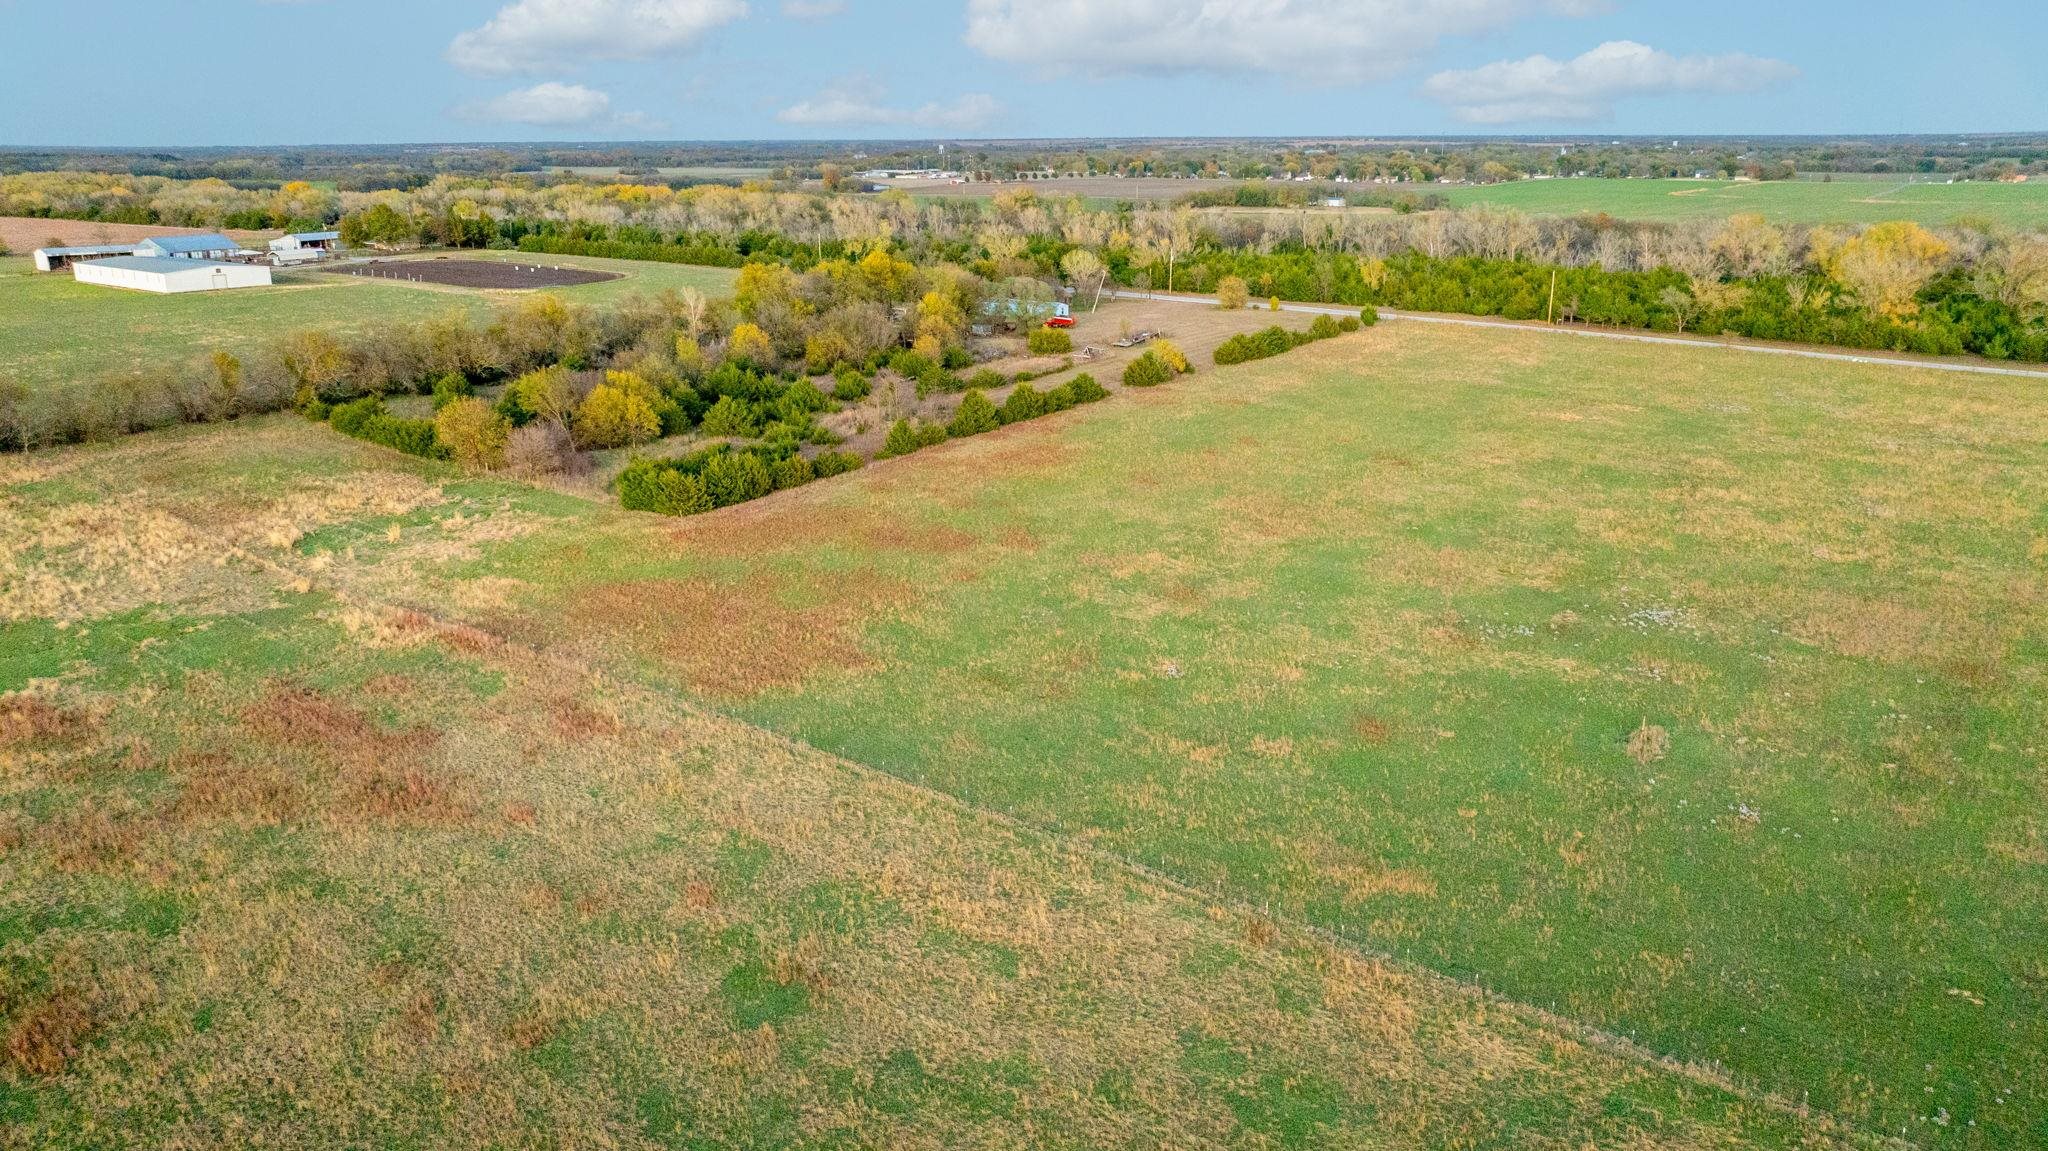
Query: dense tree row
212,203
373,168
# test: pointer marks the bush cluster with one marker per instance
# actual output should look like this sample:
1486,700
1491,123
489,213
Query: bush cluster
911,435
1049,342
1276,340
974,416
368,419
1147,371
721,476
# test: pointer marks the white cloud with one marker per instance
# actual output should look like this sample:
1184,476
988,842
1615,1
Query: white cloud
536,35
549,105
859,103
812,9
1586,88
1326,42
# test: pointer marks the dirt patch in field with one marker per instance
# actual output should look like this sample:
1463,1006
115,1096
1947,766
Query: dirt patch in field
490,275
733,641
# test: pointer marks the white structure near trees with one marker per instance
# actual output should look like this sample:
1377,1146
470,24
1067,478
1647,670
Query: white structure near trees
209,246
300,247
57,259
170,275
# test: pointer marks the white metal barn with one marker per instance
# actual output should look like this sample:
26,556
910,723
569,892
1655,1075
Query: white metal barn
58,259
211,246
167,275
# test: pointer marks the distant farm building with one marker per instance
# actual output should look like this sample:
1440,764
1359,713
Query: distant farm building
58,259
170,275
209,246
300,247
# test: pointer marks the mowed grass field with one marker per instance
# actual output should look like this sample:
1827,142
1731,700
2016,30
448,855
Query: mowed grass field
56,332
1846,201
285,861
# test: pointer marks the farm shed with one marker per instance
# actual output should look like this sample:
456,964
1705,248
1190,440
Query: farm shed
58,259
167,275
304,245
210,246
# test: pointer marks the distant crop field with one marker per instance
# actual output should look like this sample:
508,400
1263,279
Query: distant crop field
1103,189
24,234
698,172
1786,202
56,332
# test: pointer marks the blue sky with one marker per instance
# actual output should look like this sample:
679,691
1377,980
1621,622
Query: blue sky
387,71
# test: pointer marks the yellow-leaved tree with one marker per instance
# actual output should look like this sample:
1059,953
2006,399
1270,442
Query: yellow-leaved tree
612,416
1886,266
473,433
751,344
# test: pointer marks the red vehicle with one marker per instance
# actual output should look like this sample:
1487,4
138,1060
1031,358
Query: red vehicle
1060,322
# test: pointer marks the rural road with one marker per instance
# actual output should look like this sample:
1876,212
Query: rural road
1609,334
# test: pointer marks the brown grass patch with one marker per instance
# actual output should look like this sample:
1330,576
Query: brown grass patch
764,527
529,1031
1976,673
1370,730
422,1016
1947,632
214,786
28,718
575,721
377,771
302,717
45,1038
90,837
734,640
1648,744
1362,884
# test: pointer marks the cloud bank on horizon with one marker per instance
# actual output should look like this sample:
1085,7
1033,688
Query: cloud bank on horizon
1323,45
750,69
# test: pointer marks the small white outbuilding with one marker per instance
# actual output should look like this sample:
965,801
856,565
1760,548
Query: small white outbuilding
168,275
58,259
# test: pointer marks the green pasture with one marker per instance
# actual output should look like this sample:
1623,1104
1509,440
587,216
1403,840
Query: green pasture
1689,695
1783,202
56,332
290,862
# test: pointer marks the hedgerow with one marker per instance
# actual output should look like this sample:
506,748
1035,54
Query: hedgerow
368,419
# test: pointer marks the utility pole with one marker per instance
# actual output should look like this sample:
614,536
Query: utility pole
1550,313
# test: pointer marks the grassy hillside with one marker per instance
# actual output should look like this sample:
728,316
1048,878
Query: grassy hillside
285,862
1784,202
1692,695
56,332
